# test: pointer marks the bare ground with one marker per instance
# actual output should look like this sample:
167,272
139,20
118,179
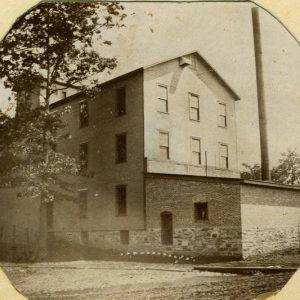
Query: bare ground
130,280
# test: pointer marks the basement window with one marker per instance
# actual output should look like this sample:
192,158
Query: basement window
124,237
201,211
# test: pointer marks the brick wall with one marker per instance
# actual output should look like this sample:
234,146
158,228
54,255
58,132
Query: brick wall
270,219
220,235
107,174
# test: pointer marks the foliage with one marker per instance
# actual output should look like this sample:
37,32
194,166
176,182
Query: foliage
26,161
51,43
251,172
287,171
54,41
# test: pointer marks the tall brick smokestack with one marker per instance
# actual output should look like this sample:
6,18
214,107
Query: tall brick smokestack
265,169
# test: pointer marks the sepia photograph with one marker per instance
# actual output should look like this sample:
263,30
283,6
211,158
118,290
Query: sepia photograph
149,150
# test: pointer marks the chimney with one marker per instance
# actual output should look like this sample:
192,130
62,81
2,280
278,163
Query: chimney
265,170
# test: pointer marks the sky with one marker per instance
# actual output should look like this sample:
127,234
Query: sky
222,33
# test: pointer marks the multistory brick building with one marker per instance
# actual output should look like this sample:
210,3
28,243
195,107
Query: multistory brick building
159,146
175,117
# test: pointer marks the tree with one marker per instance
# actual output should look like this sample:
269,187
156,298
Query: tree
252,172
51,43
287,172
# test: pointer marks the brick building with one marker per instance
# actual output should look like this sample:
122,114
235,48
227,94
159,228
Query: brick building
159,145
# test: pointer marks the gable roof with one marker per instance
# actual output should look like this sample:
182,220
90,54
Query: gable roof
207,67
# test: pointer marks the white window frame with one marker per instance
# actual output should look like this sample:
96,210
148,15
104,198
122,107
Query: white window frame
163,146
192,151
166,101
221,156
194,108
223,116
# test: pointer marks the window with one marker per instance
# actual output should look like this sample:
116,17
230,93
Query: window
163,98
164,145
121,151
166,228
196,151
64,94
84,235
194,107
124,237
121,102
83,156
201,211
121,200
50,214
222,119
83,114
83,202
223,156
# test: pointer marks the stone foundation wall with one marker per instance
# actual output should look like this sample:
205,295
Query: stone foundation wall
213,241
270,219
258,241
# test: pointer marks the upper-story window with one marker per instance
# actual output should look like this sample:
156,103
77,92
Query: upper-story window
164,145
121,200
121,148
224,156
83,156
83,204
222,117
83,114
163,105
121,102
194,107
196,151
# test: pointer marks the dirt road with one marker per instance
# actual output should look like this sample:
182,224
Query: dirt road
128,280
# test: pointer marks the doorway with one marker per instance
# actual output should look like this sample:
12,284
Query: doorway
166,228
